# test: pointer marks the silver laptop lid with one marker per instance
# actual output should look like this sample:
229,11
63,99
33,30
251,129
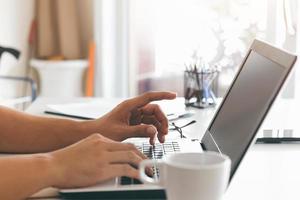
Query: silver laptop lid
250,96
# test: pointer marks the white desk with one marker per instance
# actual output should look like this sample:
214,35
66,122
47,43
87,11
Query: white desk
268,172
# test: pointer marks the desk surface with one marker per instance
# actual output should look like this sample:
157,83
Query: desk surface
268,172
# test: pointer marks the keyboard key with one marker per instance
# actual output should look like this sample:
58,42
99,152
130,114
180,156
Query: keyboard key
126,180
136,181
129,181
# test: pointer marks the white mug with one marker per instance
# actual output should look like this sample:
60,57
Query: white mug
190,176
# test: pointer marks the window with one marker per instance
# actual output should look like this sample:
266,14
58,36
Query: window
164,35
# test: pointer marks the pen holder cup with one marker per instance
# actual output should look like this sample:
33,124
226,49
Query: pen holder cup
197,88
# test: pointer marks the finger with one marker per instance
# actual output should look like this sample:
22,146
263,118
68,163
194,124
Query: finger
143,130
117,146
156,111
136,116
116,170
128,157
124,157
146,98
151,120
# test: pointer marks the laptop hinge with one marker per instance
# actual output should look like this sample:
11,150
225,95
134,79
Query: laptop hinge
203,146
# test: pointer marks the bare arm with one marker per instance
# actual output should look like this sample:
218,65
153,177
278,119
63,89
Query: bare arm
18,182
24,133
90,161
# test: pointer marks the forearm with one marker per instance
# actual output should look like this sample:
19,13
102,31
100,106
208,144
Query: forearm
25,133
22,176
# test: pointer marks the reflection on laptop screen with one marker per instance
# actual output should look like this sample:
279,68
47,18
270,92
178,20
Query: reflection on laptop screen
244,108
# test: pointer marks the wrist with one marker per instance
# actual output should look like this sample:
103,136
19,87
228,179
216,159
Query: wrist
44,163
91,126
80,129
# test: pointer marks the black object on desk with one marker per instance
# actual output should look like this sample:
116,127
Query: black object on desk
277,140
277,136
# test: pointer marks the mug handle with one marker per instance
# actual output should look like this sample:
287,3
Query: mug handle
144,177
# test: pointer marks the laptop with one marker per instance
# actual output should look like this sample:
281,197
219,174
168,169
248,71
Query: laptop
232,130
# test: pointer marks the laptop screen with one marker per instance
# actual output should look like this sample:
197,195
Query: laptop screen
244,107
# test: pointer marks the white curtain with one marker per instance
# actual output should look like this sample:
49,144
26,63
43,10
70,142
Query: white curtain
283,23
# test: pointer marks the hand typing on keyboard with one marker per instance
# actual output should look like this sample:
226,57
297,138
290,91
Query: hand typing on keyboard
156,152
135,117
100,159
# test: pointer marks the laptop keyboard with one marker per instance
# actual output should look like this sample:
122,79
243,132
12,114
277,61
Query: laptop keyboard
152,152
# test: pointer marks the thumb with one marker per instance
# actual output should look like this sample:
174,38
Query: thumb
143,130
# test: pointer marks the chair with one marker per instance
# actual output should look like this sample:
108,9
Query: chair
23,81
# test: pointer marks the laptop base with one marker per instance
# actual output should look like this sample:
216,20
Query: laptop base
135,194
